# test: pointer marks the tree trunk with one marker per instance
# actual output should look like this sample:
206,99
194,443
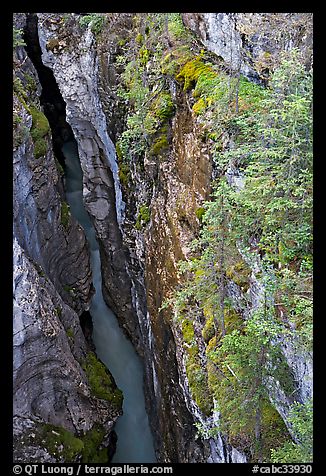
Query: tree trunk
258,433
222,273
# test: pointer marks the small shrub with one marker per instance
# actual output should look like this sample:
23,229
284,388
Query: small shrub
95,20
139,39
30,83
144,55
175,26
17,38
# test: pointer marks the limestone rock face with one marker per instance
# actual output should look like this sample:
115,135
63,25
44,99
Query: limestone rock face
250,43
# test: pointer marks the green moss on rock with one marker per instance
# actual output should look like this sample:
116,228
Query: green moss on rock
68,448
40,148
232,320
159,145
191,72
197,378
65,214
100,381
91,452
208,331
200,106
61,443
70,333
40,124
40,127
200,212
143,218
188,331
124,174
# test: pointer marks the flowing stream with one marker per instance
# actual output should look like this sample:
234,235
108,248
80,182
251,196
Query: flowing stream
135,443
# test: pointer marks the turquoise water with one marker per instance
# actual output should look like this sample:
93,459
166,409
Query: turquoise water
135,442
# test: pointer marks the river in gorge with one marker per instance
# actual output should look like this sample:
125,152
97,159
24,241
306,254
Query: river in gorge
135,442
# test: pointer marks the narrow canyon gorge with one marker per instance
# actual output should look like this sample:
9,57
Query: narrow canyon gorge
162,219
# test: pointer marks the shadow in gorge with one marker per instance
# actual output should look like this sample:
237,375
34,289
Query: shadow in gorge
51,99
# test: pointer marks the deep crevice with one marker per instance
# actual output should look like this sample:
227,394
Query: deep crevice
51,99
55,110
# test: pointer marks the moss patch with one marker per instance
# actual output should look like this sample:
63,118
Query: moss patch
70,333
192,70
160,142
40,127
67,447
188,332
124,174
65,214
143,218
274,430
232,320
100,381
40,148
40,124
91,452
61,443
208,331
200,106
200,212
197,378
